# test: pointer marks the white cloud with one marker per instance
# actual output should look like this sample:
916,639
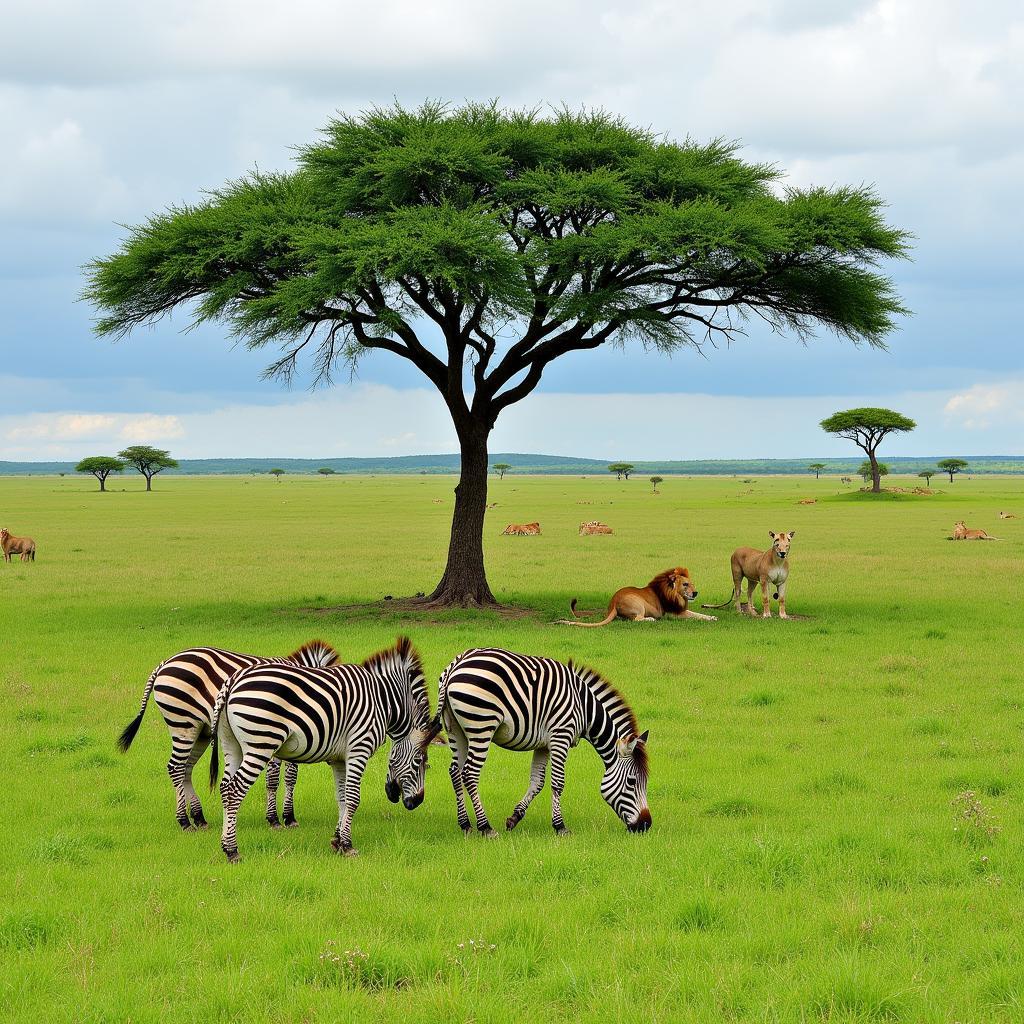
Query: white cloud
372,420
146,429
982,406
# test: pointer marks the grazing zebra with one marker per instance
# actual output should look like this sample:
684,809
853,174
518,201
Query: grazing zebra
526,703
340,715
186,688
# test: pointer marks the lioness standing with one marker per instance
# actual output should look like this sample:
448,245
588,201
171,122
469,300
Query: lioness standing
11,545
761,567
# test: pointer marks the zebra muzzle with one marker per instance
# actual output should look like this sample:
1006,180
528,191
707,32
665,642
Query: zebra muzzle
412,802
642,823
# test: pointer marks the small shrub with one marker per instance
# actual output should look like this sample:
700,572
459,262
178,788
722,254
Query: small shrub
759,699
734,808
975,822
699,916
354,969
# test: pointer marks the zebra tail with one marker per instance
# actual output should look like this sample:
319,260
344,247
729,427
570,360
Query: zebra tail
218,707
124,741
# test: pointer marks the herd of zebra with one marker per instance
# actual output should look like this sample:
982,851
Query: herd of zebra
309,707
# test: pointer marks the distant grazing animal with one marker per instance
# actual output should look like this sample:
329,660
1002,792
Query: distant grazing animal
669,593
591,529
526,703
11,545
340,715
1007,515
961,532
761,567
521,530
186,687
808,501
845,480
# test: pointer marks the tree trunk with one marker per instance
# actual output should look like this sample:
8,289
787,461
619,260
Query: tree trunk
149,482
103,482
464,582
950,477
876,479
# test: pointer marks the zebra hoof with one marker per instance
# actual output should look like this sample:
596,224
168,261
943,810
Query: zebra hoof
336,843
200,826
233,857
467,829
488,833
511,822
563,831
275,825
350,851
290,823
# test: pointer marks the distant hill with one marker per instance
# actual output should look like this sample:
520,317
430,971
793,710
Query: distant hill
543,464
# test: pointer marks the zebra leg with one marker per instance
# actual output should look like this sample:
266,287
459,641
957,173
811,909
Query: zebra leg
291,774
183,742
273,778
538,766
195,808
478,746
348,777
459,749
232,792
559,752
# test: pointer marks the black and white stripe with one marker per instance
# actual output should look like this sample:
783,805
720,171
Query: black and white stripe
186,688
526,703
340,715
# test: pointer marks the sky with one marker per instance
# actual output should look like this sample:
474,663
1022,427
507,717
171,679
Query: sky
111,111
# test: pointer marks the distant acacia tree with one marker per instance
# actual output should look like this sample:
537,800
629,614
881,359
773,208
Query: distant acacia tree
866,470
927,474
816,468
501,468
866,428
519,237
656,480
148,461
325,471
101,466
621,469
277,473
952,466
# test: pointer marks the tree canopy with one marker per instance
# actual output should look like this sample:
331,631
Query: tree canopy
867,428
621,469
865,469
655,480
816,468
148,461
101,466
482,243
952,466
501,468
326,471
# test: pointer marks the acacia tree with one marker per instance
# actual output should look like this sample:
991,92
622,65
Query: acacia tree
816,468
482,244
866,428
148,461
621,469
276,472
656,480
927,474
501,468
952,466
101,466
867,471
325,471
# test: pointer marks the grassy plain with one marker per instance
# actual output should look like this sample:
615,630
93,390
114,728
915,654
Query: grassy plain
812,858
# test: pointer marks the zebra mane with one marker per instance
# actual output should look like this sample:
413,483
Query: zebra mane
315,652
404,658
622,715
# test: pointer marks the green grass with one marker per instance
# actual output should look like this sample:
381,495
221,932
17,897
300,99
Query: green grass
813,857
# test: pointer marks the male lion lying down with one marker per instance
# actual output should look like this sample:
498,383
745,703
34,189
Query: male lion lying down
669,593
961,532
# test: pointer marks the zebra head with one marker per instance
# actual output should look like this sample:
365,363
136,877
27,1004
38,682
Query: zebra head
624,786
407,765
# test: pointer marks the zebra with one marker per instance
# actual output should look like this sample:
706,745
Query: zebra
186,688
527,703
340,715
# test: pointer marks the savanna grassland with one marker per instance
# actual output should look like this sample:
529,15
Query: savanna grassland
836,799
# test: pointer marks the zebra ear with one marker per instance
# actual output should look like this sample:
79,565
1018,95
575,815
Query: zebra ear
642,738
